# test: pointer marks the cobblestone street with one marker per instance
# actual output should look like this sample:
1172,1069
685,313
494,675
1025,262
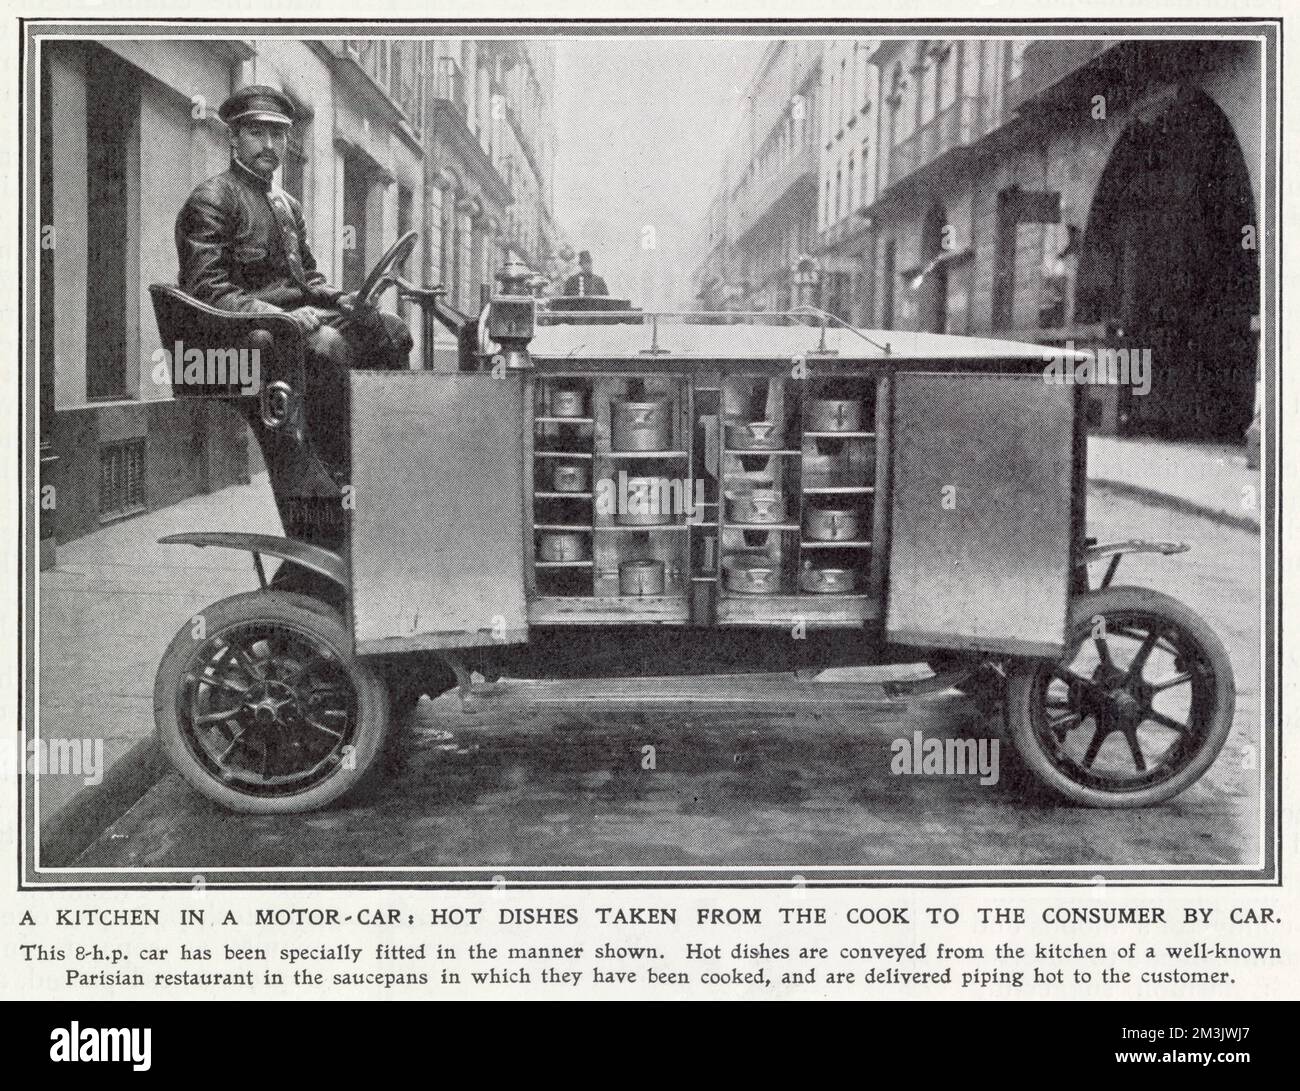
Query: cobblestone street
532,780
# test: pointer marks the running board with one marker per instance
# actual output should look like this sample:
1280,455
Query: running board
868,686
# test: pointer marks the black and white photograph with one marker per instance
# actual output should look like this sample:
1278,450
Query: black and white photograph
659,455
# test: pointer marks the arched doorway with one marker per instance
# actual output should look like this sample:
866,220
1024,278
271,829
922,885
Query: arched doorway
932,295
1163,261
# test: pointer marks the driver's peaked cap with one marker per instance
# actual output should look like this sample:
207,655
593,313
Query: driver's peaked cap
257,102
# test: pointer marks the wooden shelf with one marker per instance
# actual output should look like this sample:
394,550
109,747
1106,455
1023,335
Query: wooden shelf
761,526
835,545
816,611
760,454
617,609
564,420
562,495
619,529
562,527
561,454
644,454
563,564
839,435
837,489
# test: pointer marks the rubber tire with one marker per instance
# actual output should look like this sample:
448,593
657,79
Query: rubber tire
325,625
1021,688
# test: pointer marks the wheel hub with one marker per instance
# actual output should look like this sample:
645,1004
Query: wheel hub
1127,708
269,702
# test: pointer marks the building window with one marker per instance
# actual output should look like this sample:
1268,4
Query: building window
112,143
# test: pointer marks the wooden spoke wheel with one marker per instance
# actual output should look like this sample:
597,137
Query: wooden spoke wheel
261,706
1137,710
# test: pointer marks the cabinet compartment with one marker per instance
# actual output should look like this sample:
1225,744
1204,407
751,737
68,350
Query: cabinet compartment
635,506
561,484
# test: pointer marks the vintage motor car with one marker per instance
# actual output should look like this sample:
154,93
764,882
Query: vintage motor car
598,492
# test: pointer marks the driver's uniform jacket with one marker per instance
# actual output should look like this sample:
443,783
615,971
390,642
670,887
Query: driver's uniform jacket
242,246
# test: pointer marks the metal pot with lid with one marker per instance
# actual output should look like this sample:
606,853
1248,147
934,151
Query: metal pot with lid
639,426
754,506
556,547
641,578
826,580
751,574
834,415
647,503
831,523
754,435
567,402
569,477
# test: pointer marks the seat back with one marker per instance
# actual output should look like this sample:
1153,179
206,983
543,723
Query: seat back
225,354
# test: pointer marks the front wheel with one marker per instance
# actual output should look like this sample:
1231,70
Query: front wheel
262,707
1136,711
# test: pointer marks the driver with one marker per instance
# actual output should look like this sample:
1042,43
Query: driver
242,245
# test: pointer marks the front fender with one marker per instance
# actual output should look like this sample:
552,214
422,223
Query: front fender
314,558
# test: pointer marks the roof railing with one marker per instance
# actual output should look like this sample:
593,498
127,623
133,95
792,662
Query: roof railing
800,315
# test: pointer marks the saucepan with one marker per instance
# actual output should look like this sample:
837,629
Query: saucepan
753,435
648,497
754,506
569,477
639,426
751,574
567,402
556,546
831,524
826,580
834,415
641,578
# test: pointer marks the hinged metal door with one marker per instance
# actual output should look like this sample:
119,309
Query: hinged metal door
980,513
438,523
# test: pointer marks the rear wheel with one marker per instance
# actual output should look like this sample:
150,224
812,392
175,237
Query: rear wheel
262,707
1136,711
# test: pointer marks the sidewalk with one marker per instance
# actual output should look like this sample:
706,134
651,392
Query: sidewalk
110,607
1205,479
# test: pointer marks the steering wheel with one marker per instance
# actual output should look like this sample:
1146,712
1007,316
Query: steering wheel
377,279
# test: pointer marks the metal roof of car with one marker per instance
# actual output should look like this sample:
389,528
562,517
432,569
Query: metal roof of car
674,338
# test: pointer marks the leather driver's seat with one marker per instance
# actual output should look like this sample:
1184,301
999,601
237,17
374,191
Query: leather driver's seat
305,492
186,321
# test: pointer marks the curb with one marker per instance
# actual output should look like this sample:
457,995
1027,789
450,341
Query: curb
72,829
1178,503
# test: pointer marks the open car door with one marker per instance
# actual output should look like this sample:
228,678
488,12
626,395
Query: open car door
982,512
438,522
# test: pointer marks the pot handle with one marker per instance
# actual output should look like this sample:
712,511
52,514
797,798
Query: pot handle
760,429
762,505
643,414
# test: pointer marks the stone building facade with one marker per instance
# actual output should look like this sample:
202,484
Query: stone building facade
449,138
